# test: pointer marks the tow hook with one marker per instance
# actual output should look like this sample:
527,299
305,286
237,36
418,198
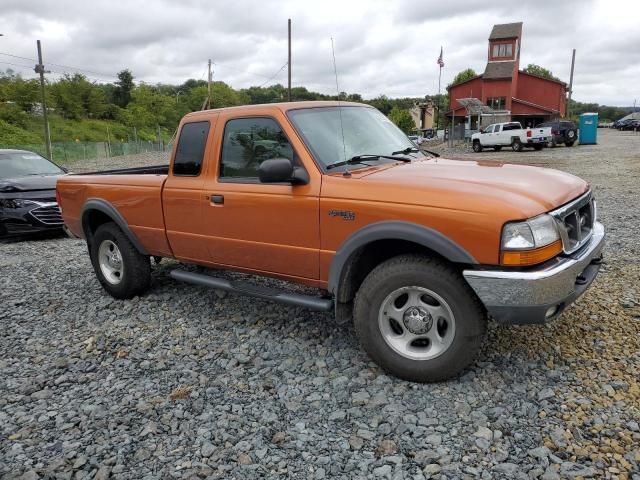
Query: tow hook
596,261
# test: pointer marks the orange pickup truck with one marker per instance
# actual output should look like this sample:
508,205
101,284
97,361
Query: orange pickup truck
418,250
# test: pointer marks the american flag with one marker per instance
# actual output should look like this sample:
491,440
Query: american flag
440,60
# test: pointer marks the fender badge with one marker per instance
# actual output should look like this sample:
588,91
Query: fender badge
344,214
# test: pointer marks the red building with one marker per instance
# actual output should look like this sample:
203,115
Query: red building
512,94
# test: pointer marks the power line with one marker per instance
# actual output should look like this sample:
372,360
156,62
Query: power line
102,76
239,70
274,75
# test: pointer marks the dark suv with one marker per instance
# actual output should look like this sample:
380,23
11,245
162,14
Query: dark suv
563,131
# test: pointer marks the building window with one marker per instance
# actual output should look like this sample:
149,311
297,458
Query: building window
497,103
503,50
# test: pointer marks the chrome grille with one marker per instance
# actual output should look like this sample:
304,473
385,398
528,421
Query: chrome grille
48,213
575,222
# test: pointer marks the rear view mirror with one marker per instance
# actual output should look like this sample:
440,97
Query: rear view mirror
275,170
281,170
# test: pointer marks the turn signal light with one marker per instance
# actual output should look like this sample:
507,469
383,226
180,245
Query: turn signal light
523,258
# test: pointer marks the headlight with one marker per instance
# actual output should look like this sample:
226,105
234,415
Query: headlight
15,203
530,242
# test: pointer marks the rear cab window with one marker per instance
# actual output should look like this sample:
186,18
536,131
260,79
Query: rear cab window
190,150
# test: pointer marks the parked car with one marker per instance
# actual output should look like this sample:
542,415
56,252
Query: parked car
622,124
417,250
512,134
632,124
562,131
27,193
414,138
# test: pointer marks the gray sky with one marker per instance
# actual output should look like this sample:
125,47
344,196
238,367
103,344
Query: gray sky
382,47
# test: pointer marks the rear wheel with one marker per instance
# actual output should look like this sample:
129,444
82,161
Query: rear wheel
516,145
497,148
121,269
417,318
477,147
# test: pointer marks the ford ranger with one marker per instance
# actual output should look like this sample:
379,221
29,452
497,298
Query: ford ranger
419,251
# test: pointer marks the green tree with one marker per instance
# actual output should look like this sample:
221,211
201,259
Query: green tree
402,118
464,75
124,87
24,93
534,69
148,108
75,97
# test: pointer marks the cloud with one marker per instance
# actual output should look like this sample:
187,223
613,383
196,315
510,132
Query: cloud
382,47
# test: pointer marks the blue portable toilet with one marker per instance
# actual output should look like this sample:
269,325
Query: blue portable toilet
588,128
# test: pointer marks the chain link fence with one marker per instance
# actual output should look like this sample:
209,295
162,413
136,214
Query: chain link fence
94,156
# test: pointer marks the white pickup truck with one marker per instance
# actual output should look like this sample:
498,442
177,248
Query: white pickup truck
498,135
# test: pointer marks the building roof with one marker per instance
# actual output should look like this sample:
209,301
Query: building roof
498,70
506,30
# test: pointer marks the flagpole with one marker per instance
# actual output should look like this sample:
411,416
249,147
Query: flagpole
438,117
440,64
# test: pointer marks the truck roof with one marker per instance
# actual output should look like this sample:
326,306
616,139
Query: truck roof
284,106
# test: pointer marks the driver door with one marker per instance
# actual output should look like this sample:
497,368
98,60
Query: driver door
271,228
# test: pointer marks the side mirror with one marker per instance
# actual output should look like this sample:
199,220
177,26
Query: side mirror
281,170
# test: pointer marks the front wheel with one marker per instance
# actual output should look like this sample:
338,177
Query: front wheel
516,145
121,269
417,318
477,147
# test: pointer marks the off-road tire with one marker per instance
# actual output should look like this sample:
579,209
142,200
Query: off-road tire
516,145
136,275
497,148
477,146
439,277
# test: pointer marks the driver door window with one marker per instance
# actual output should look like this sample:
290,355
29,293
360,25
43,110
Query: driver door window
247,142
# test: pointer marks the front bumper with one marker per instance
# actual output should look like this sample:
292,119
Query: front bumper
542,293
37,216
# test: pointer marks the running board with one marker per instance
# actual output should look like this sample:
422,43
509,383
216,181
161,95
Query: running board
244,288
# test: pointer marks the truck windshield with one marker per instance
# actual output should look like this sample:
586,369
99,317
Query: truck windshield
22,164
366,132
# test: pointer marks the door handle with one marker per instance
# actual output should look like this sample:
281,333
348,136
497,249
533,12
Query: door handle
217,199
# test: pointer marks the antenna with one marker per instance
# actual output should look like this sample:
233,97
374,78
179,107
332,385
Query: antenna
335,71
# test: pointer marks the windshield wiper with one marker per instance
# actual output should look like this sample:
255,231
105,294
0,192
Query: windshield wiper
407,150
367,156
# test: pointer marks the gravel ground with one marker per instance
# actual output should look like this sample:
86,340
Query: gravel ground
189,383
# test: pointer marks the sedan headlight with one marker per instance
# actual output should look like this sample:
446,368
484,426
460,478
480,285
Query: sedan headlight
16,203
530,242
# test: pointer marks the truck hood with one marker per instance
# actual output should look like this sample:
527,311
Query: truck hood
487,187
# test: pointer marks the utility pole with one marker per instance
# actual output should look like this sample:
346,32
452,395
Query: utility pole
573,61
289,61
40,70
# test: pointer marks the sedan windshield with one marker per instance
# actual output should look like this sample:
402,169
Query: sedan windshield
366,131
22,164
